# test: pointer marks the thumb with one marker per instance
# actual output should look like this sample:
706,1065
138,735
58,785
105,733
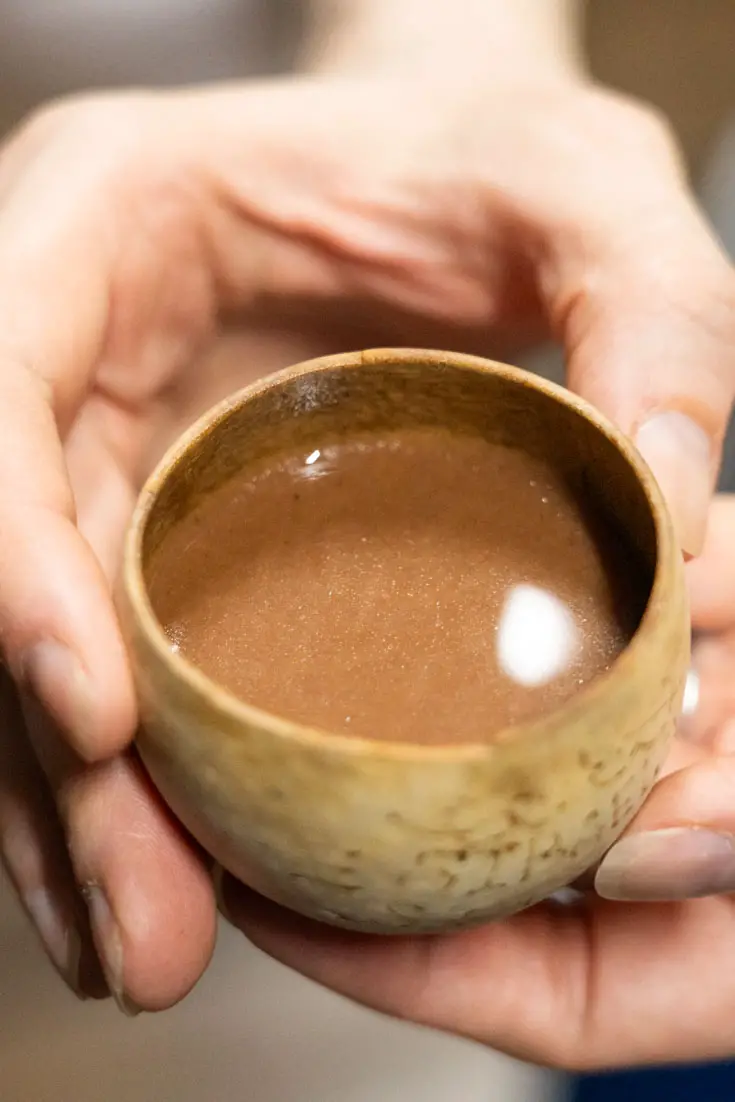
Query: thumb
647,313
682,844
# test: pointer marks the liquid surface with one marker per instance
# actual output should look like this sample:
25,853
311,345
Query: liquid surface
421,586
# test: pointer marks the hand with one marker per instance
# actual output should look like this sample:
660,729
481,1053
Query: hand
598,983
321,215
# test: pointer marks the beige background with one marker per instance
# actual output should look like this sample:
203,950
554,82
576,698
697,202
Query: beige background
678,54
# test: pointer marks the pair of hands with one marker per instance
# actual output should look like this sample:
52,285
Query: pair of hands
157,250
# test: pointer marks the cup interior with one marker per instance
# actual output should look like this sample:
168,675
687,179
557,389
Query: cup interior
340,396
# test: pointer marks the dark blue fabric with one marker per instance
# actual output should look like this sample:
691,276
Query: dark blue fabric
714,1083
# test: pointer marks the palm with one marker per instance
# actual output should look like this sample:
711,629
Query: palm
346,225
184,325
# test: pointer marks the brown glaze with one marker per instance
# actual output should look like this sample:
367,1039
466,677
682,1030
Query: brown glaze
416,584
396,837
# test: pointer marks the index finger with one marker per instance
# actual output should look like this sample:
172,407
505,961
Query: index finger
58,631
644,299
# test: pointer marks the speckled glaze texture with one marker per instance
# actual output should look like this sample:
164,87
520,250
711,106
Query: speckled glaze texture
398,838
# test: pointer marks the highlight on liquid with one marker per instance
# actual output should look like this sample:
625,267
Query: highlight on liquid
417,585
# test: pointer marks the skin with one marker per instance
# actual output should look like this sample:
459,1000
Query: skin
157,250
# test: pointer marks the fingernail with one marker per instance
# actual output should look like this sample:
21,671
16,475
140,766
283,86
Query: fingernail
60,938
566,897
679,453
108,941
218,874
672,864
55,676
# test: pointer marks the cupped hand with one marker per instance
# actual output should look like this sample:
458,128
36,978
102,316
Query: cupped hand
138,233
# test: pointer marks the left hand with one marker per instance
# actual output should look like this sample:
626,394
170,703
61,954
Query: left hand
600,983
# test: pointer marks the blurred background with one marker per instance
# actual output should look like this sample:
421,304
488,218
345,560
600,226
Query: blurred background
251,1030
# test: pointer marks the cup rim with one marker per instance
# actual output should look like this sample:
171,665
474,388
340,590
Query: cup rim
236,711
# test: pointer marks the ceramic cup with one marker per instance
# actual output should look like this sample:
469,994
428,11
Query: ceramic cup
394,837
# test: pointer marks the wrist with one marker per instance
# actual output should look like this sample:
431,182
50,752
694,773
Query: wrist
474,41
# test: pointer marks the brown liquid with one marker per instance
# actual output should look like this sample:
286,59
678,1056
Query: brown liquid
421,586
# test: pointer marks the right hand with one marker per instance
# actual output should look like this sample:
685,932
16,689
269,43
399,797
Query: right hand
637,973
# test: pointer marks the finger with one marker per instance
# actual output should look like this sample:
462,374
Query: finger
150,897
58,632
682,844
645,301
683,753
35,857
104,492
149,894
497,984
711,578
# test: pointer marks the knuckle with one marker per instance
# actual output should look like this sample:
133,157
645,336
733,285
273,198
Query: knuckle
62,116
109,132
644,127
608,153
40,124
636,136
626,182
597,130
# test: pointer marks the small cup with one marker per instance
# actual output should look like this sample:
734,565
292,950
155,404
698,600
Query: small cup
392,837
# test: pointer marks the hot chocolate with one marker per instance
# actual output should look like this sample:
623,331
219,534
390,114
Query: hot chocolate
418,585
